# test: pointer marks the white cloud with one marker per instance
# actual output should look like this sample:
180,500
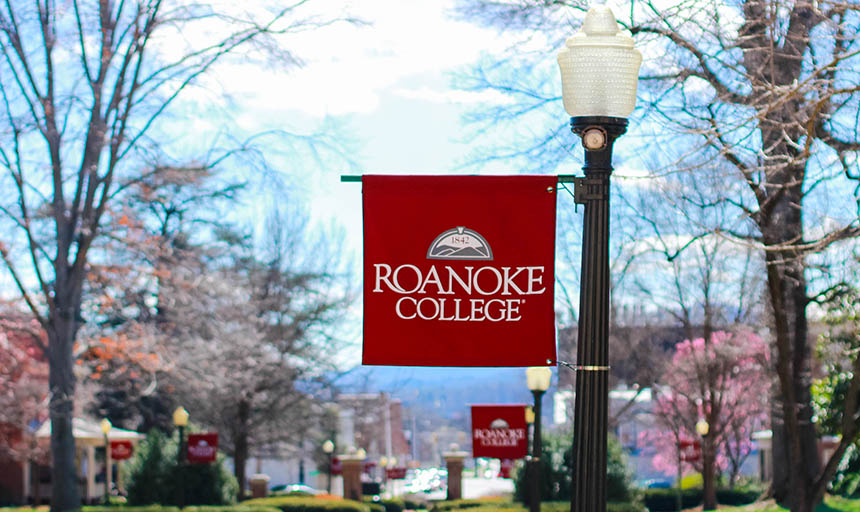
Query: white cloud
348,67
454,96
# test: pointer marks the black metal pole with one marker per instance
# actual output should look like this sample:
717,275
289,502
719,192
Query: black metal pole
534,502
590,423
330,464
180,459
107,470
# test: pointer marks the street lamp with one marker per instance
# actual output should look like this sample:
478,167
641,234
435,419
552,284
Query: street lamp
599,73
537,380
180,419
106,426
328,449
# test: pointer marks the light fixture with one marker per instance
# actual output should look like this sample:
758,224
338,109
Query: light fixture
180,417
538,378
106,426
599,68
328,446
530,415
702,427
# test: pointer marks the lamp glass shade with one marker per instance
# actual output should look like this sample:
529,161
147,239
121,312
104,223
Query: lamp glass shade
328,447
360,453
599,68
106,426
702,427
180,417
530,415
538,378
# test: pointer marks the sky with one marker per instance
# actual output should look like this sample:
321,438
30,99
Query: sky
386,83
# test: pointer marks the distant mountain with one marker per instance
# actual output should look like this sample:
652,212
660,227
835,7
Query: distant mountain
449,391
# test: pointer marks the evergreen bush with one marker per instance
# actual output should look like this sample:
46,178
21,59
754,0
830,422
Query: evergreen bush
155,476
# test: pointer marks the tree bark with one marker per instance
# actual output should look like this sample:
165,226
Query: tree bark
795,456
709,488
240,455
64,481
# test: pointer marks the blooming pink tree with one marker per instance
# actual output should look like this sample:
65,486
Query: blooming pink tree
720,383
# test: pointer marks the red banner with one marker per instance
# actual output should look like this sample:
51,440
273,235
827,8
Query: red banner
336,466
505,468
120,450
202,448
459,270
396,473
690,451
499,431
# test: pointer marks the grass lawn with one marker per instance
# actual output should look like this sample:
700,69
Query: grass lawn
831,504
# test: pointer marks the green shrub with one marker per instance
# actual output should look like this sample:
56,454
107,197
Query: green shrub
228,508
441,506
738,496
392,505
147,508
665,500
556,470
504,505
301,504
414,502
155,476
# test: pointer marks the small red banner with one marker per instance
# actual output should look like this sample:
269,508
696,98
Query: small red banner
505,468
459,270
690,451
202,448
121,450
336,466
499,431
395,473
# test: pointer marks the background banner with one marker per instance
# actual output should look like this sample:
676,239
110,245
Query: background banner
121,449
202,448
459,270
499,431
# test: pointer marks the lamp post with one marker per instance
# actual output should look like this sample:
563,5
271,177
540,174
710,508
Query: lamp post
537,380
599,72
328,449
180,419
106,426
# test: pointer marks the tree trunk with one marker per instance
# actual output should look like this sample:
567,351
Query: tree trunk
795,456
709,473
240,455
64,481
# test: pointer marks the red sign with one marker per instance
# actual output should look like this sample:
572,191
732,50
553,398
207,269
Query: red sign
120,450
395,473
336,466
459,270
202,448
689,451
505,468
499,431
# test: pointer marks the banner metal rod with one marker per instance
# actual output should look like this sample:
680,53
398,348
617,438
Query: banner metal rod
353,178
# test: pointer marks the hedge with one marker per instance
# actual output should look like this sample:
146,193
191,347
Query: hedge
388,505
666,500
442,506
136,508
738,496
227,508
301,504
504,505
